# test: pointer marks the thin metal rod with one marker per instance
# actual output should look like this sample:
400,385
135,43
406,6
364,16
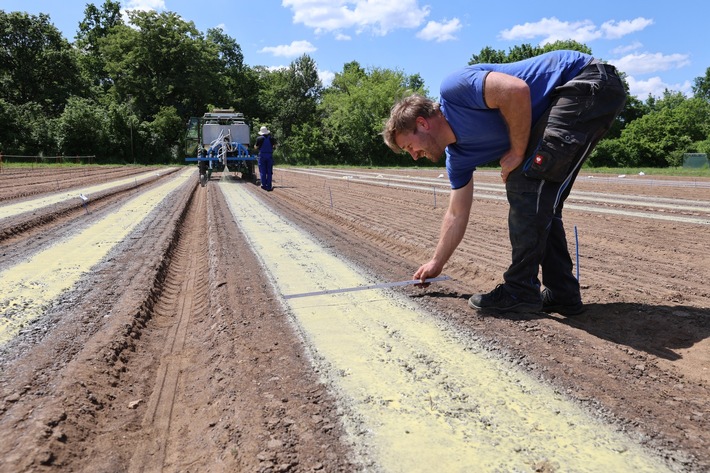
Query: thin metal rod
576,245
364,288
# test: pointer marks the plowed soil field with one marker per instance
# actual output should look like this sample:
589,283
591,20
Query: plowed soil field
142,327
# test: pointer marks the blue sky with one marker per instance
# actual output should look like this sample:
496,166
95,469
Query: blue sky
658,44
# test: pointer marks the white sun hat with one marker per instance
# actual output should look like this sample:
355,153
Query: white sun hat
264,131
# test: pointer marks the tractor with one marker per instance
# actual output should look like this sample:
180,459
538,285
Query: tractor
219,140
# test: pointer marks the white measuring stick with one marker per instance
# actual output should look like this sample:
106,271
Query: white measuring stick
364,288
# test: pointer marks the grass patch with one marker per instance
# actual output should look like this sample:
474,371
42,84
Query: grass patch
64,165
670,171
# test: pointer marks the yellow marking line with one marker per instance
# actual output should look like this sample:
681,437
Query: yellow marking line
416,395
45,201
28,288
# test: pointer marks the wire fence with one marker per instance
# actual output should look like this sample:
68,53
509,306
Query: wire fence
6,159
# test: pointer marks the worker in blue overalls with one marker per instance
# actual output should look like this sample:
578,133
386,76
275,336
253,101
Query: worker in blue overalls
265,144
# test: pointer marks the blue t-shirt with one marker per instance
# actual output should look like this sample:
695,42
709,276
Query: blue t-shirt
481,132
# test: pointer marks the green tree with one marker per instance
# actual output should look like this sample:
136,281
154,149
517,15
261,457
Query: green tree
165,71
82,129
567,44
489,55
96,25
162,61
161,137
26,129
415,82
674,125
302,92
288,98
12,133
238,87
354,109
610,153
123,126
523,51
307,145
36,63
701,86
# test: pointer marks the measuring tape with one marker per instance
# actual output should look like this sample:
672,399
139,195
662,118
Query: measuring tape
364,288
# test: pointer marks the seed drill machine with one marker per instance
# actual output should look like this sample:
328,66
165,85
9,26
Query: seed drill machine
219,140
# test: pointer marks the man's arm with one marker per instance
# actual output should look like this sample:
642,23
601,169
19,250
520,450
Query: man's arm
453,228
511,96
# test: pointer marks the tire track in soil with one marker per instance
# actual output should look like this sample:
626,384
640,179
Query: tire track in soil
185,296
234,390
66,383
265,409
247,398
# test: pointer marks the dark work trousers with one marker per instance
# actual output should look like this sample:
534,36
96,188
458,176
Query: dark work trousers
266,169
582,111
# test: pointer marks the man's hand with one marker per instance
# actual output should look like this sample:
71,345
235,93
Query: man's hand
508,163
429,270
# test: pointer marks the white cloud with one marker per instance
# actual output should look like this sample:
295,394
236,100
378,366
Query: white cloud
615,30
326,77
645,63
553,29
627,48
440,31
145,5
142,5
296,48
342,37
655,87
378,16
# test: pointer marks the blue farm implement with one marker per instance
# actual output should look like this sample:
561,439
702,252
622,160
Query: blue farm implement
217,141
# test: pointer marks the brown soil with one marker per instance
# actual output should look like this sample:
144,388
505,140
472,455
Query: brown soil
173,354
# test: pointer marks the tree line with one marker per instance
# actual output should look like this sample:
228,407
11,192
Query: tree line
124,90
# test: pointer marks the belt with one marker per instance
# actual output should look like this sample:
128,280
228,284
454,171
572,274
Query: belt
604,69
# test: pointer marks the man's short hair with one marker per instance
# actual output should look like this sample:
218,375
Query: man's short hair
403,117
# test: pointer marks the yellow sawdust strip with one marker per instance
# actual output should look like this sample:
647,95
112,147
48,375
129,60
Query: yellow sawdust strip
47,200
29,287
416,395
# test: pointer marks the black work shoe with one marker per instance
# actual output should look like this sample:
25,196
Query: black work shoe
549,304
500,300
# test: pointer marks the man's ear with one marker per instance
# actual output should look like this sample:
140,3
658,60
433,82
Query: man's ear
422,123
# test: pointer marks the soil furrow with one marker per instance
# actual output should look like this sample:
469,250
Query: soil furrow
15,184
237,389
19,229
628,319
